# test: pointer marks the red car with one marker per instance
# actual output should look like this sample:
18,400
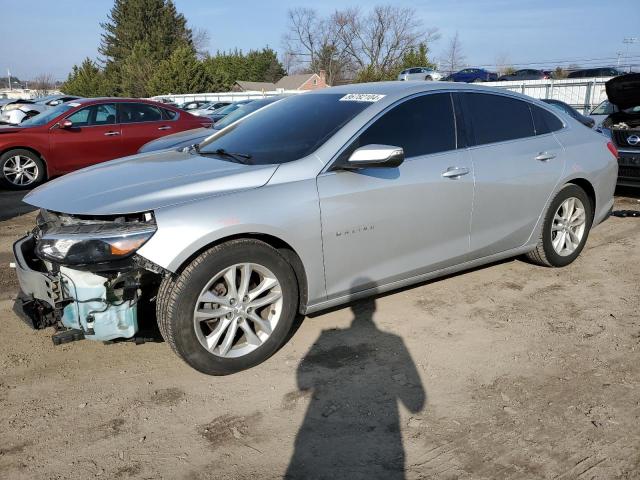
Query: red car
84,132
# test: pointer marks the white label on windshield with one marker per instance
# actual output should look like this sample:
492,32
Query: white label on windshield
362,97
74,104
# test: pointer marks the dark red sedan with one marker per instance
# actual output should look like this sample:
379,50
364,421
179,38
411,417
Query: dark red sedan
84,132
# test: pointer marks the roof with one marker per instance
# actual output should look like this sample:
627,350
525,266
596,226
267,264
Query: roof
293,82
256,85
400,89
88,101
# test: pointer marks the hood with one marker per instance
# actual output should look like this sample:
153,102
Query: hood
146,182
176,140
624,91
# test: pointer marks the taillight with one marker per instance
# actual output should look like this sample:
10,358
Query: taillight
612,148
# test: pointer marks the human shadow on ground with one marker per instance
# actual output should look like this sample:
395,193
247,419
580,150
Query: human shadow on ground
356,377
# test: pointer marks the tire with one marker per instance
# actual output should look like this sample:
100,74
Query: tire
33,172
179,296
545,253
429,78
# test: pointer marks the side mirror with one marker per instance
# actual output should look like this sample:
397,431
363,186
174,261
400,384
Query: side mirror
66,124
375,156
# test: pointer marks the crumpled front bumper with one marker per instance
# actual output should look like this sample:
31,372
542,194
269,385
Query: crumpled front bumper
65,297
40,292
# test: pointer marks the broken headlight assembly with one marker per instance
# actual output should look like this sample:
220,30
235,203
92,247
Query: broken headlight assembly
71,241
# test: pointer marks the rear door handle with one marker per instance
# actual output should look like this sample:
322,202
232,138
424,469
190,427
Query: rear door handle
455,172
110,134
545,156
164,127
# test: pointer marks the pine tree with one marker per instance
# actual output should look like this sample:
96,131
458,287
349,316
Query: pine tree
154,22
86,80
136,70
180,73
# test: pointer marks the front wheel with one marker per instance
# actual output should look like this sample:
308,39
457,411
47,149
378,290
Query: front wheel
21,169
566,228
231,308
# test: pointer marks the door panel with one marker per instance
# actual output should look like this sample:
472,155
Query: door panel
512,188
382,225
141,123
93,138
515,170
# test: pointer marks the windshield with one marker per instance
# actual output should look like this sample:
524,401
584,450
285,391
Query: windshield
46,116
45,98
241,111
288,130
227,109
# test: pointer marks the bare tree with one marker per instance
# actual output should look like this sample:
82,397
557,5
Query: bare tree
453,58
200,38
43,84
377,41
313,41
503,64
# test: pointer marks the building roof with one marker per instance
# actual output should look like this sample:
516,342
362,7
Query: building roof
288,82
267,86
293,82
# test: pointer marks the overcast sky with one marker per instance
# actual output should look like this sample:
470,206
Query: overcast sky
39,36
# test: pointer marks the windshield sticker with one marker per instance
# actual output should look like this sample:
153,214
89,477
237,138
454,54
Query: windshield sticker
74,104
362,97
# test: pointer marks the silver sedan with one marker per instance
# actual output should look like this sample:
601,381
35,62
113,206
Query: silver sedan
318,200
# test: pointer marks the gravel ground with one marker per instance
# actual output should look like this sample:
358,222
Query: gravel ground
508,371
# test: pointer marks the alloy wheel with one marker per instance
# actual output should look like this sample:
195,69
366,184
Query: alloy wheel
568,227
238,310
20,170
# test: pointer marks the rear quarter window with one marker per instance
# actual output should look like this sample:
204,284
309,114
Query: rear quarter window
545,121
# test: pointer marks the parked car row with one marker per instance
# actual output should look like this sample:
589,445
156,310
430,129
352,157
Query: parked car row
16,111
83,132
473,75
292,209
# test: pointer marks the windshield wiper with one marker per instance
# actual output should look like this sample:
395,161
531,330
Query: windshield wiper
237,157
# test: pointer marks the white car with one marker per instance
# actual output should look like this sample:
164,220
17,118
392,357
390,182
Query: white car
17,112
419,73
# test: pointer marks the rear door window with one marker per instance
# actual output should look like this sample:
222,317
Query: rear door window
138,113
496,118
422,125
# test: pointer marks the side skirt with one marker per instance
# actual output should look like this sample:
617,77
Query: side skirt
319,306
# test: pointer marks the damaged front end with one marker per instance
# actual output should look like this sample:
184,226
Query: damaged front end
82,276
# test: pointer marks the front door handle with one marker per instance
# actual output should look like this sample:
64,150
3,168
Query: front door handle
545,156
164,127
455,172
110,134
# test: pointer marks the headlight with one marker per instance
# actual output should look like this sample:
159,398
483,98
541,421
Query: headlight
70,245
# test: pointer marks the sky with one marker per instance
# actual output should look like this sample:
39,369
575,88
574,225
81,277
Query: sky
45,36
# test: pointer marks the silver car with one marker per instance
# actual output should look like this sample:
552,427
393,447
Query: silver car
313,202
419,73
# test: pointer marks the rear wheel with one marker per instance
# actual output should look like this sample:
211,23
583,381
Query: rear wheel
21,169
566,228
428,78
231,308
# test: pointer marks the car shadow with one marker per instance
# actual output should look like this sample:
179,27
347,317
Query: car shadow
355,378
630,192
11,204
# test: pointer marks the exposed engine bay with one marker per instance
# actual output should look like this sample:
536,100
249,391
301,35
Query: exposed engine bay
81,275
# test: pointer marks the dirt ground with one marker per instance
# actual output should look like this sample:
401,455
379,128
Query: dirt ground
511,371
